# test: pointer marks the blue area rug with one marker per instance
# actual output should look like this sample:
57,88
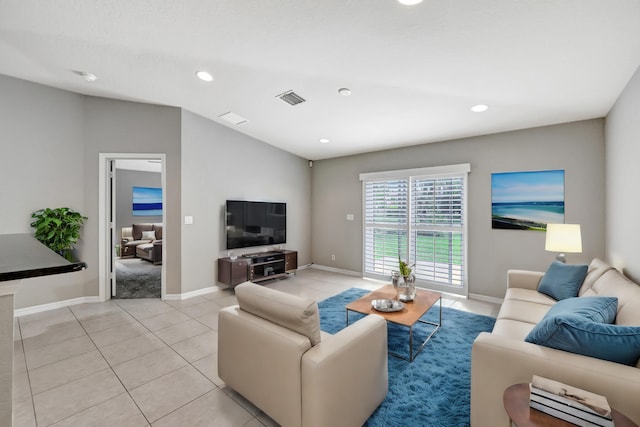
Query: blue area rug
433,390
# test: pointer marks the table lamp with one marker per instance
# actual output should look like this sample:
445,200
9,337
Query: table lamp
563,238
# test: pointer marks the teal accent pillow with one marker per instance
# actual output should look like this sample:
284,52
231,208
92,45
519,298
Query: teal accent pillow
594,309
570,333
562,280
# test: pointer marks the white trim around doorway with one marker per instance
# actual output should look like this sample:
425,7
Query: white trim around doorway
104,203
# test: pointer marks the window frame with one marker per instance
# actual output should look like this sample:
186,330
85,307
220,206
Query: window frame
437,172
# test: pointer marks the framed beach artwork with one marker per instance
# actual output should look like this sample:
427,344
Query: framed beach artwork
527,200
147,201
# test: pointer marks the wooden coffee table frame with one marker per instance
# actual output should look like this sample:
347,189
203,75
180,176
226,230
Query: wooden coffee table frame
408,316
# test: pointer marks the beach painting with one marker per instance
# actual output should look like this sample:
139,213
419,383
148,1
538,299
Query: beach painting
527,200
147,201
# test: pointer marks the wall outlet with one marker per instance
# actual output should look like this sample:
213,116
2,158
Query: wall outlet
350,217
333,257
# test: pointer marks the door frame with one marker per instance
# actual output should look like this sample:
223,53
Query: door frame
106,231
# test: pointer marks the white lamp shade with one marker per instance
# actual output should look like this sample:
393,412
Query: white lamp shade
563,238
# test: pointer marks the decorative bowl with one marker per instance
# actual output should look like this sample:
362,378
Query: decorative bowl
387,305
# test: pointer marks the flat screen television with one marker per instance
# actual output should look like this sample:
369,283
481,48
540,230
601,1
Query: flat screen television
255,223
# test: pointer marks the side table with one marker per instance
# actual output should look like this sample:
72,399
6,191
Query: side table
516,403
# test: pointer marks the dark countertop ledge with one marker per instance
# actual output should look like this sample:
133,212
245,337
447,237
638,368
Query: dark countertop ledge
22,256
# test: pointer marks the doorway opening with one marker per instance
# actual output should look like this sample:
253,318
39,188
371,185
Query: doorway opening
132,247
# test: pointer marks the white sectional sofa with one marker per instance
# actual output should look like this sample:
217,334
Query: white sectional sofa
503,357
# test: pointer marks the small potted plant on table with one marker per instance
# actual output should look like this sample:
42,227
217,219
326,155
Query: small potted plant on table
408,291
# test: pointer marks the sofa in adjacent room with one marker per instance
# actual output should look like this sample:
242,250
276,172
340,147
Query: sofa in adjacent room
565,339
142,241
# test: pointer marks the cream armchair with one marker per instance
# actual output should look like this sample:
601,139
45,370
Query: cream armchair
271,351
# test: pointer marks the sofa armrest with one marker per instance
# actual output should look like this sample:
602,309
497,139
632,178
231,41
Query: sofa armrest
524,279
345,378
498,362
156,253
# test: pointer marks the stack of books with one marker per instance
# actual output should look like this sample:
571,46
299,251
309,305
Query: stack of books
569,403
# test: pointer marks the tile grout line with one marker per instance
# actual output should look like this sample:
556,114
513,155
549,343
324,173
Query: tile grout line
110,367
166,373
26,367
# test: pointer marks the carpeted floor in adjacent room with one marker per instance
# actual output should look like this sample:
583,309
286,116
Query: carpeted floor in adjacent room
137,278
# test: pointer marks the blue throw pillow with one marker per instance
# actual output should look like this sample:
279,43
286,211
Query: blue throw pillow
571,333
594,309
562,280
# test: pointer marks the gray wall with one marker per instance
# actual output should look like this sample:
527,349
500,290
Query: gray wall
126,127
219,164
41,165
623,175
578,148
51,140
125,180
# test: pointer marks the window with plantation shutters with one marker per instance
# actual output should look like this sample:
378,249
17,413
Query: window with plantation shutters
386,216
417,215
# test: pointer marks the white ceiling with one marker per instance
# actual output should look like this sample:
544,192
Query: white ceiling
414,71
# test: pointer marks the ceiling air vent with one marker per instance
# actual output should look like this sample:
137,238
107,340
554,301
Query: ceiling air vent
291,98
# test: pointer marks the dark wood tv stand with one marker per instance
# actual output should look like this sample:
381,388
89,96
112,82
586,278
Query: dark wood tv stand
257,267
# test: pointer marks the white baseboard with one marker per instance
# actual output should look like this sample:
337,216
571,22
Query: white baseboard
486,298
186,295
336,270
52,306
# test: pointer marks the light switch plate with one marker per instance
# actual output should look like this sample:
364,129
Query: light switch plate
350,217
188,220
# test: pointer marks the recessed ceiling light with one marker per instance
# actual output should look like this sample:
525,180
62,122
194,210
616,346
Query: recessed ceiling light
409,2
204,76
324,140
344,91
88,76
479,108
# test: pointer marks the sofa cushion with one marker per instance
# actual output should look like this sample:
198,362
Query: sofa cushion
562,280
529,295
137,230
513,329
615,343
148,235
594,309
144,247
158,230
615,284
596,269
523,311
290,311
127,233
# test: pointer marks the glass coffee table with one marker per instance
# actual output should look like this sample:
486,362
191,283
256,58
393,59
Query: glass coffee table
408,316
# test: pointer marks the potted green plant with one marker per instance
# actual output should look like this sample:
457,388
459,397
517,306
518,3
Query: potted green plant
58,229
405,270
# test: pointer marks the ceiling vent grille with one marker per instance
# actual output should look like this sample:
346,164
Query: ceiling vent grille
291,98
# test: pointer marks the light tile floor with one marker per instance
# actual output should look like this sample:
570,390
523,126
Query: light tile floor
146,362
